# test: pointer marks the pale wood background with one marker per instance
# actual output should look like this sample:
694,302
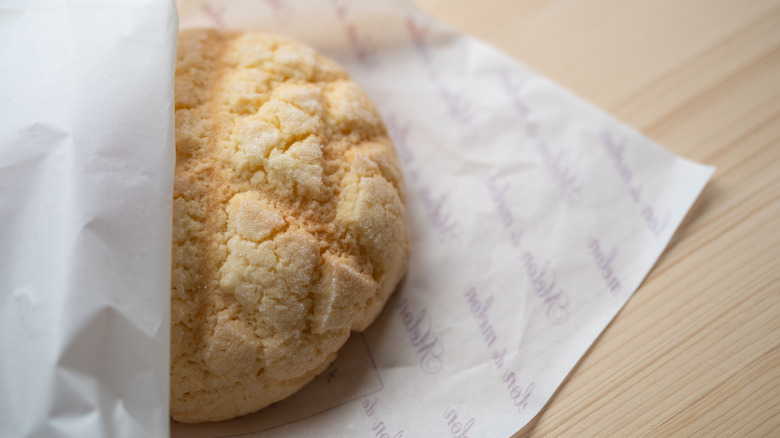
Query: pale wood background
696,352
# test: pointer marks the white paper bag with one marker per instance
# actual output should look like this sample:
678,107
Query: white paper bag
86,174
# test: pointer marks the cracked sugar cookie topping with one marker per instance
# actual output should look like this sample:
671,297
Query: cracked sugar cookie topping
289,228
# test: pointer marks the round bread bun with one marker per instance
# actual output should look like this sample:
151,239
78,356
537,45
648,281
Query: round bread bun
289,225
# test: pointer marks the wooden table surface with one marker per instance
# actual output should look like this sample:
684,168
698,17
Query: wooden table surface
696,351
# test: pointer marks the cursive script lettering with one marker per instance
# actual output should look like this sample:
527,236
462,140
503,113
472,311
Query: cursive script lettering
514,89
560,172
478,309
436,206
498,196
419,328
556,163
380,429
458,107
615,150
438,213
604,264
544,284
359,43
368,406
455,427
542,276
516,393
217,16
281,9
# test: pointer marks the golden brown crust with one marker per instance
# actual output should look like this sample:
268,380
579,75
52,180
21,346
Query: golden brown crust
289,226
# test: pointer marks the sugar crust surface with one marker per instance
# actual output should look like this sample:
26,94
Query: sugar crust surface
289,227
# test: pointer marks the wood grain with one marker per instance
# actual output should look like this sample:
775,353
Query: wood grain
696,351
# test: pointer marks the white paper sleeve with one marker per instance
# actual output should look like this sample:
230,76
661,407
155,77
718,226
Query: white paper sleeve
86,172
